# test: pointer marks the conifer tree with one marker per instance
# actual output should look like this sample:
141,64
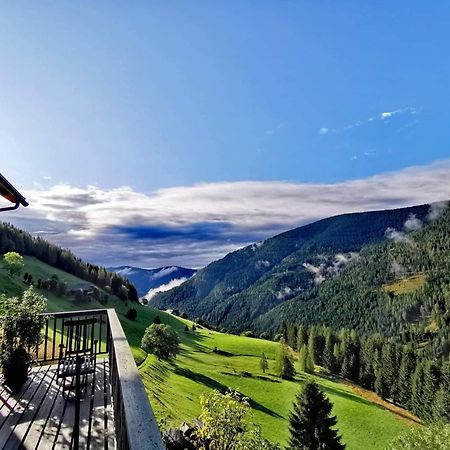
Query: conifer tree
417,390
329,361
284,363
311,424
263,364
316,345
302,337
304,359
405,372
432,377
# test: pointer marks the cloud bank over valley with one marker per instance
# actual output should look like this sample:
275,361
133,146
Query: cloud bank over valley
193,225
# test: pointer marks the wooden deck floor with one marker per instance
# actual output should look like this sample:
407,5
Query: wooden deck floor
39,417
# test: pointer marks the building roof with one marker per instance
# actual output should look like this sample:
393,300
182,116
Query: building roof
8,191
82,287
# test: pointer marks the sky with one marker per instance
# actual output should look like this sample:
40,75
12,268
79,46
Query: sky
160,133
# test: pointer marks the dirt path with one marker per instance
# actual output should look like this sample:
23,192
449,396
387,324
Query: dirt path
370,396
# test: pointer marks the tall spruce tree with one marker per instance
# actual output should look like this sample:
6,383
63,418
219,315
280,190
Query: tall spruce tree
284,363
311,424
407,364
417,390
304,360
302,337
263,364
329,361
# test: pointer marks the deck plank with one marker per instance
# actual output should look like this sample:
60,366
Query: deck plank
40,418
17,404
30,413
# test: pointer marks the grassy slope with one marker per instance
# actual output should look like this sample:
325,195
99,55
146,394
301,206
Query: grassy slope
174,389
406,285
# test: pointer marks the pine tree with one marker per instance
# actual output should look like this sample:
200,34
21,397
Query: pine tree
284,363
291,335
263,364
305,362
417,390
432,376
405,372
311,424
329,361
316,345
302,337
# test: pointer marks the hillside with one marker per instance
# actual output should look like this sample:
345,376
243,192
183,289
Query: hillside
174,387
146,280
236,291
393,287
17,240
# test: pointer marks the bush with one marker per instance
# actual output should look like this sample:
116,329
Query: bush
161,340
21,323
248,333
433,437
13,263
131,314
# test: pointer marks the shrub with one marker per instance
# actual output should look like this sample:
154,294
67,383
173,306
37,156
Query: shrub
131,314
161,340
13,263
248,333
21,323
433,437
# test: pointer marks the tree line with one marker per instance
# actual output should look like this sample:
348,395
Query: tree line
13,239
404,373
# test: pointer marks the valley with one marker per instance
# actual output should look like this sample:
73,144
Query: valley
174,387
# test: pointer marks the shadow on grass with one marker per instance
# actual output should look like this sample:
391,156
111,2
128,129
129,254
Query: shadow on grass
222,388
194,341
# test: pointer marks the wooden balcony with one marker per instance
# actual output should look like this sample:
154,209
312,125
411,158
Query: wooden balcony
114,414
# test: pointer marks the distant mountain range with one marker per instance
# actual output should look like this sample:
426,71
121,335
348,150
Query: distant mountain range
150,281
296,274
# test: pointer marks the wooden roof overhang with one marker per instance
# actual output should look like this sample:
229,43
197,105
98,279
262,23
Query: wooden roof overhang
10,193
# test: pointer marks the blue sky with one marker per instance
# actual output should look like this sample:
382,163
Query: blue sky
154,96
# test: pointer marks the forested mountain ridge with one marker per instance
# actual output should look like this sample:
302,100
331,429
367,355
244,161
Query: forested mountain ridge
398,286
239,291
14,239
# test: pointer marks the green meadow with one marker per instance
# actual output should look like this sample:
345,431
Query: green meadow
211,360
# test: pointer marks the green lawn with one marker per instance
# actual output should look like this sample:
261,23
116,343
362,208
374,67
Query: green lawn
174,387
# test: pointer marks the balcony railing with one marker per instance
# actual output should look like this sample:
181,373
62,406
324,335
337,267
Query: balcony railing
134,422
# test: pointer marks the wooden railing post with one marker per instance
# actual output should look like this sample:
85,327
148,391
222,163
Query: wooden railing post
135,425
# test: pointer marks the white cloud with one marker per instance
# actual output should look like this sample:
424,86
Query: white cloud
398,236
164,287
193,225
379,117
412,223
388,114
436,209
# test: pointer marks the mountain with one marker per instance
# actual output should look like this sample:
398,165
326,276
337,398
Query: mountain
248,288
149,281
392,288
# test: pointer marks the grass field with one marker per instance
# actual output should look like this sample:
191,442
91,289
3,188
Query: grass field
174,387
406,285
